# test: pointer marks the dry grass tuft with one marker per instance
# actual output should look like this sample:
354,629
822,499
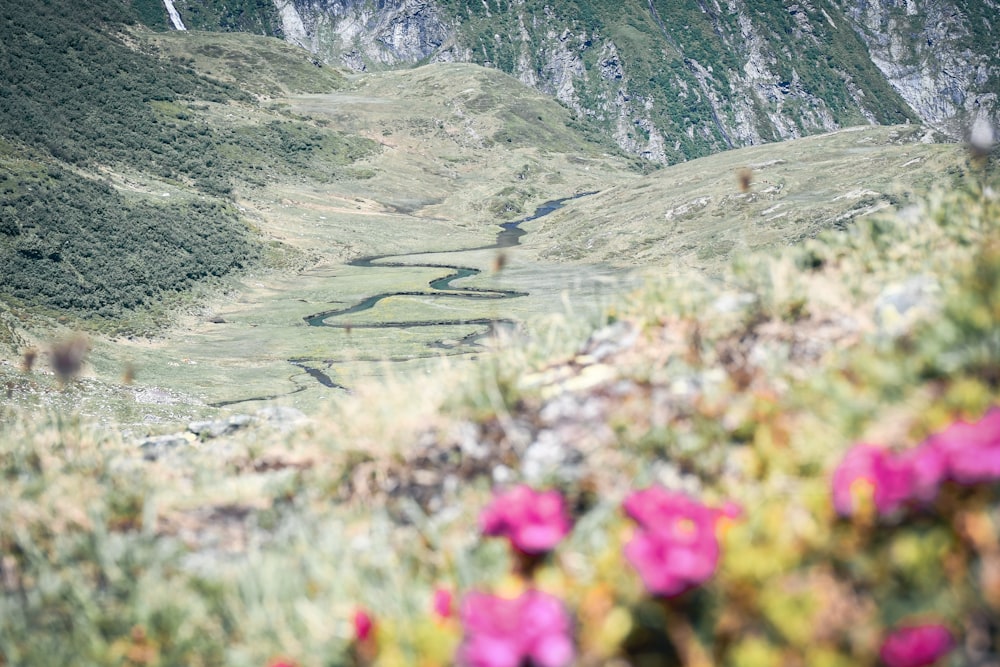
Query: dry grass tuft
744,179
67,356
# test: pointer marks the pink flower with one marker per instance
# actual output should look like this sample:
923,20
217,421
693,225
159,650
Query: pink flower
730,510
364,625
502,632
916,646
967,453
650,507
443,603
972,451
533,521
675,548
928,467
867,469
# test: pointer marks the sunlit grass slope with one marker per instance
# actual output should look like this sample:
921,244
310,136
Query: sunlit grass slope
258,65
695,213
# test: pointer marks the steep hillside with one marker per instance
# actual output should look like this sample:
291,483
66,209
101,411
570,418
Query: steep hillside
940,56
118,168
673,81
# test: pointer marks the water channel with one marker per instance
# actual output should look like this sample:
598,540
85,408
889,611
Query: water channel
318,370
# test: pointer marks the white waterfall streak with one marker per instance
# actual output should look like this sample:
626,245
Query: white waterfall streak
175,18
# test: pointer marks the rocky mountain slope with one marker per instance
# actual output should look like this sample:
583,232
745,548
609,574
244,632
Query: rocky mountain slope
672,81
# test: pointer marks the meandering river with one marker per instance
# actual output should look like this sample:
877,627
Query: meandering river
442,287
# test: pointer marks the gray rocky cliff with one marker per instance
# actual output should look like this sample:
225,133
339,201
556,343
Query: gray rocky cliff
671,81
942,56
359,33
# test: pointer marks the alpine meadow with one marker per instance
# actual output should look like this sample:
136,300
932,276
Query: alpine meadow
504,333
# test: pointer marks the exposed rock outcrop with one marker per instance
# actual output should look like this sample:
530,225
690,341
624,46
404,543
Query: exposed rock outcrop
681,80
356,33
940,55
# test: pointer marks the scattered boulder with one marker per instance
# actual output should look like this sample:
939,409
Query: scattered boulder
157,446
281,418
220,427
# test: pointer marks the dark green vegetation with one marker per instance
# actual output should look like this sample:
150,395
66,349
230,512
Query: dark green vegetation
75,245
82,105
255,16
73,91
152,13
666,51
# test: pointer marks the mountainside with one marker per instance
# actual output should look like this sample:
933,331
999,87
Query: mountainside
672,81
117,167
693,214
461,148
940,56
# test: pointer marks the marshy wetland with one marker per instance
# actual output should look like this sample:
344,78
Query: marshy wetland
460,312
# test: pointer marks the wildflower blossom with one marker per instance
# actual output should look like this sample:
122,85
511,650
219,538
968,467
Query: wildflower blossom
533,628
650,507
868,470
533,521
675,548
364,625
916,646
971,450
967,453
928,468
442,604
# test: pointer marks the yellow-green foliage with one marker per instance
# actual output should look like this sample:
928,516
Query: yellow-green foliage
265,546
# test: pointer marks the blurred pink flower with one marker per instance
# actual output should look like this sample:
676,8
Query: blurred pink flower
972,451
442,603
730,510
967,453
652,505
928,467
916,646
675,548
363,625
533,521
867,468
501,632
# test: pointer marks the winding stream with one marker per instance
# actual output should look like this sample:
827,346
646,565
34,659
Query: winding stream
509,236
442,287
